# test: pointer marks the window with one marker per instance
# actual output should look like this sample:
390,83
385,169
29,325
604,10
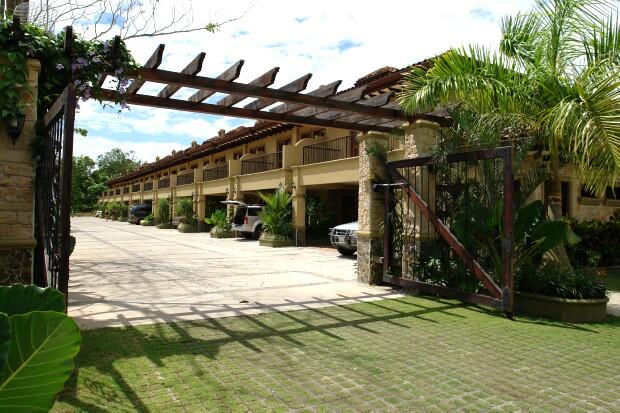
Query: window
586,193
566,199
237,155
257,149
221,159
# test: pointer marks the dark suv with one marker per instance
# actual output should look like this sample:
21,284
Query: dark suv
139,212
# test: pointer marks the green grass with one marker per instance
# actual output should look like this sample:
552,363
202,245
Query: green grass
409,354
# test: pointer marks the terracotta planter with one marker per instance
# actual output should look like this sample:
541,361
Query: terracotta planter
561,309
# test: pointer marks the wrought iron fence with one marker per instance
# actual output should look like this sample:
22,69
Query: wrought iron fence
185,179
148,186
216,172
449,226
331,150
53,194
262,163
163,183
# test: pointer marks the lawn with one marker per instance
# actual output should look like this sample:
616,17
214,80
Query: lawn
612,279
409,354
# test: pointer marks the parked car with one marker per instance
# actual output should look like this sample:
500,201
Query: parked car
344,238
139,212
246,221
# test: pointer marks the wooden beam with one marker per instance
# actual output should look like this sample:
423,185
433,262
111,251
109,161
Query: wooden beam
263,80
295,86
176,104
201,82
191,69
153,63
229,74
378,100
352,95
322,92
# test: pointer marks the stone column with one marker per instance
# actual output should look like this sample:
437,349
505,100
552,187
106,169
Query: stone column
370,211
420,140
299,215
17,173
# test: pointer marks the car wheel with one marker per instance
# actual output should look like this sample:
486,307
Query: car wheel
248,235
258,231
345,251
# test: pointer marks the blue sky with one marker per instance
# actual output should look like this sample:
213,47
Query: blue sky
334,40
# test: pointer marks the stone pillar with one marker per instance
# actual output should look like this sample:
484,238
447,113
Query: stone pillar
299,215
420,140
370,211
17,173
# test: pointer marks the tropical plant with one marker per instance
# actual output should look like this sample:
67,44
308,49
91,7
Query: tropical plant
219,219
277,213
185,207
554,280
318,217
555,79
163,210
147,220
599,244
38,343
533,237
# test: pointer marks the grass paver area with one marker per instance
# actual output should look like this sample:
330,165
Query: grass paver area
406,354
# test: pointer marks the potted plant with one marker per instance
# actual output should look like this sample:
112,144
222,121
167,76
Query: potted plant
277,219
163,212
221,226
545,285
189,223
148,221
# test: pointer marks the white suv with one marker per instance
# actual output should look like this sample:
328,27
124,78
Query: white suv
246,220
344,238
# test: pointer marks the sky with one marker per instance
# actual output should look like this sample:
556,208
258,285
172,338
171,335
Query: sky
334,40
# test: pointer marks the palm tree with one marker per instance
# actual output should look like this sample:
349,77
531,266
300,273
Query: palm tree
556,76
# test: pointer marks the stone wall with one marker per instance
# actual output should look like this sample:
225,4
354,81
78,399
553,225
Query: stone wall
17,173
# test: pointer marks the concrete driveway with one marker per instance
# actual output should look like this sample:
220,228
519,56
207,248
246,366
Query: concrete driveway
124,274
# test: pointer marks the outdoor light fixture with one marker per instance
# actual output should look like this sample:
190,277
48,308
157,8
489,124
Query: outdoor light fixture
14,124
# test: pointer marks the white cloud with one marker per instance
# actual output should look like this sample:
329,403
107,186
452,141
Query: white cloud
145,151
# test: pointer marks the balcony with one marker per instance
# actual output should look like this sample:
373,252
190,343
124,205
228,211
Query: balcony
216,172
135,188
185,179
340,148
148,186
164,183
262,163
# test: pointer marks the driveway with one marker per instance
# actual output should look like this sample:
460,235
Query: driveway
124,274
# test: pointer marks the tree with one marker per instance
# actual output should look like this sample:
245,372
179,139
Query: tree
556,78
115,163
102,18
81,180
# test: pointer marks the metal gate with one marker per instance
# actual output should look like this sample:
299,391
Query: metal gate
53,194
448,226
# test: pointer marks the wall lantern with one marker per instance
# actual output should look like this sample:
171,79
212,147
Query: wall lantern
14,124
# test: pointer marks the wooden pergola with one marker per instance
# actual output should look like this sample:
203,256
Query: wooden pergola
352,109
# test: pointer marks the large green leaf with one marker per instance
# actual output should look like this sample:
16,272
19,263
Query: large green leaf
43,345
21,299
5,336
550,234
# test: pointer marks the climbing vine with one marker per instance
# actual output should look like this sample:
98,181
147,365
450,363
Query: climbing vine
81,66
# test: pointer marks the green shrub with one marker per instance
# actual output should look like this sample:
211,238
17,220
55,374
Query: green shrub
185,207
219,219
555,281
318,218
277,213
599,246
38,343
163,210
149,219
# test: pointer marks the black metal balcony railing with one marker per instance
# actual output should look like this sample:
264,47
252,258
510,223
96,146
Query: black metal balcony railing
148,186
118,191
135,188
164,183
262,163
216,172
185,179
331,150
